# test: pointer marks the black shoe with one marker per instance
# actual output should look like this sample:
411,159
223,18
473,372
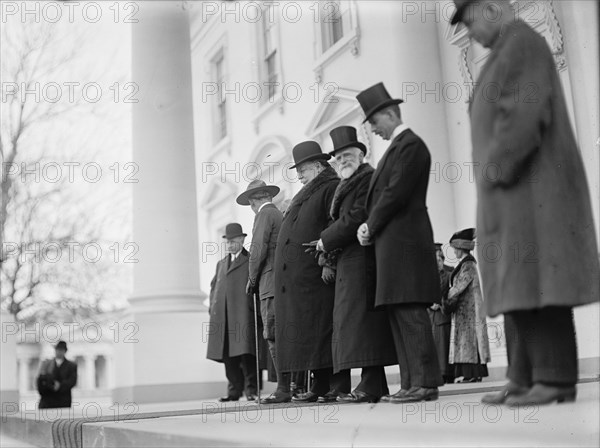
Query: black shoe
308,397
228,398
509,389
329,397
389,398
417,394
357,396
278,397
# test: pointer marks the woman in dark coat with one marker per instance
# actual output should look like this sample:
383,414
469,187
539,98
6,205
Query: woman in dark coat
303,301
469,347
362,337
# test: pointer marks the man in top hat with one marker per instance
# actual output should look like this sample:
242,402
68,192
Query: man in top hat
267,222
304,290
231,330
440,320
362,338
535,209
56,379
398,225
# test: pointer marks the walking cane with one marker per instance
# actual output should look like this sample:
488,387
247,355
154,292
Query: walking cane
256,345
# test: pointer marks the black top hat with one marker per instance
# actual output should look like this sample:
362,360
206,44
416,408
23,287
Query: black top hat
232,230
461,5
61,345
463,239
374,99
306,151
344,137
254,187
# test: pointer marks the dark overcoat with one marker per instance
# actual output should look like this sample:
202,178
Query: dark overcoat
469,343
361,337
231,310
303,302
536,236
66,375
406,266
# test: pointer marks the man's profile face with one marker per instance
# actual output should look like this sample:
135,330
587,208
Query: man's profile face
348,160
383,124
234,245
483,20
307,171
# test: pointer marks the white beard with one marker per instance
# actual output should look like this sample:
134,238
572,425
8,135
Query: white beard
348,171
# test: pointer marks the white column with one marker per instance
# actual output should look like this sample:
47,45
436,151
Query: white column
9,388
89,381
166,302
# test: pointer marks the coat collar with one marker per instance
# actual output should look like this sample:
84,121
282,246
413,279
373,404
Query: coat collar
346,186
239,261
324,177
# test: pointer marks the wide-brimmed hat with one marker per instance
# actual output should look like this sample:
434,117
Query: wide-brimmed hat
233,230
61,345
374,99
463,239
306,151
254,187
461,5
345,137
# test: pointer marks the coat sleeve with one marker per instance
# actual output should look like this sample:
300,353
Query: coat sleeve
409,164
69,382
342,232
211,296
523,109
259,247
462,281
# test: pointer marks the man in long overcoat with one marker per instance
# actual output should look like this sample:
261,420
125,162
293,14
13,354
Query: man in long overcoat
231,330
537,244
362,338
304,291
267,222
399,227
57,377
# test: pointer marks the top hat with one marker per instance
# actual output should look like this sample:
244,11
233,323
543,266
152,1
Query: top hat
345,137
461,5
463,239
438,246
232,230
306,151
374,99
254,187
61,345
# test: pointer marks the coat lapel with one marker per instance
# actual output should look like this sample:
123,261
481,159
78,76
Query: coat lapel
239,261
382,162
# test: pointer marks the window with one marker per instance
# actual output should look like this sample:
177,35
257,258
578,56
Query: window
269,52
336,22
221,105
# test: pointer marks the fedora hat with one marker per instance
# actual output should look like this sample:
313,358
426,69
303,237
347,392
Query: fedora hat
306,151
345,137
232,230
460,5
374,99
254,187
463,239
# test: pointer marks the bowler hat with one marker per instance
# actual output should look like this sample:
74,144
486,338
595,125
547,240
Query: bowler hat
374,99
345,137
306,151
463,239
232,230
254,187
461,5
61,345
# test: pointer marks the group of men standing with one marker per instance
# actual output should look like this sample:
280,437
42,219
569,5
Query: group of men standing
362,301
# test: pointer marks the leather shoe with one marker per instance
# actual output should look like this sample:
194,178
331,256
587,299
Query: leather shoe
542,394
510,389
401,393
228,398
308,397
329,397
278,397
416,394
357,396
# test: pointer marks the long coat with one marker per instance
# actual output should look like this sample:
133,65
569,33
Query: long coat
361,337
265,231
231,311
406,266
66,375
469,327
303,302
536,236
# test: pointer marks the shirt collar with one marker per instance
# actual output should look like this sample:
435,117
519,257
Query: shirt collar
261,207
398,130
234,256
